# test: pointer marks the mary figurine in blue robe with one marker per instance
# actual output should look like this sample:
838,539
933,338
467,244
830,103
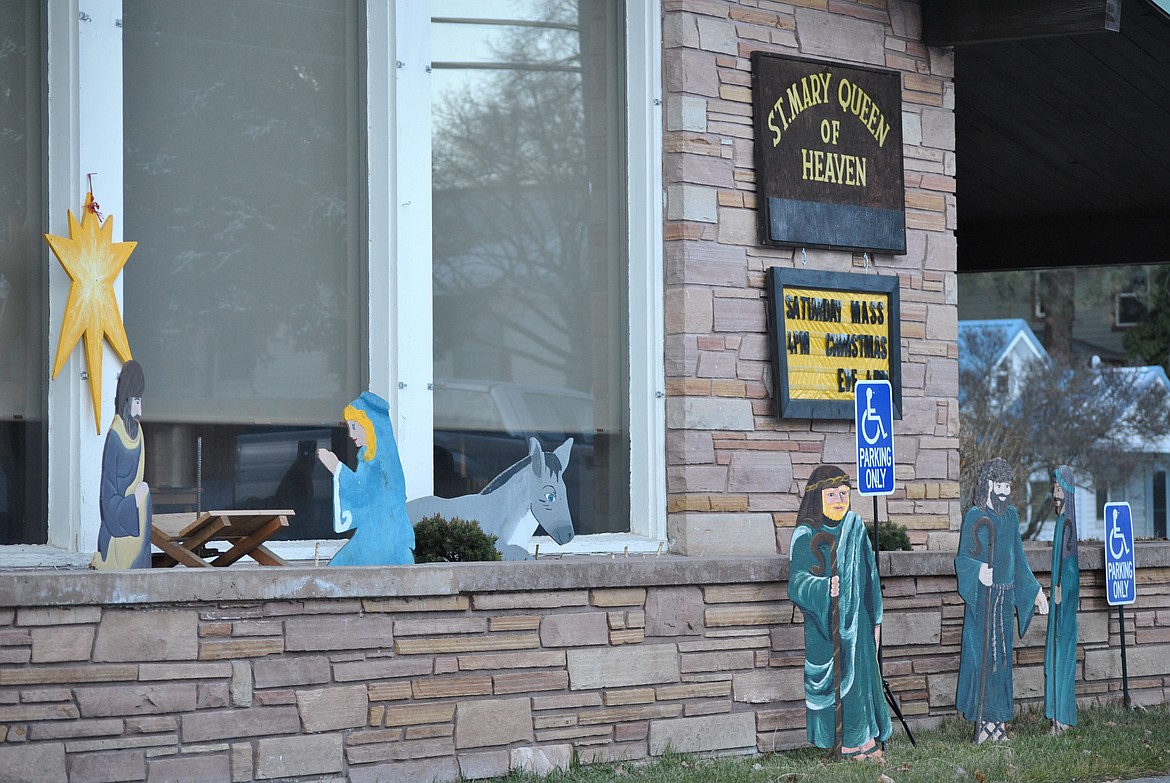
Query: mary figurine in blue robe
371,499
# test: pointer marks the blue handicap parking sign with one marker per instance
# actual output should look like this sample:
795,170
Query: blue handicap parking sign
1120,570
873,406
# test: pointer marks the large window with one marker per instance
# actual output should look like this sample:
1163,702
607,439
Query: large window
244,300
272,161
530,270
23,259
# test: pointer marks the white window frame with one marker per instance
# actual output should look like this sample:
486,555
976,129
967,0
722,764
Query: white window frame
85,135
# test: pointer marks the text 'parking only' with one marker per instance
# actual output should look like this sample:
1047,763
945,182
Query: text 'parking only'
873,405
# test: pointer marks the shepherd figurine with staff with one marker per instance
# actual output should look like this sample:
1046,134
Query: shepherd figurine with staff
1060,651
834,581
995,583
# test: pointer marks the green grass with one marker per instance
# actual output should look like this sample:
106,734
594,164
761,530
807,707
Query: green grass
1109,744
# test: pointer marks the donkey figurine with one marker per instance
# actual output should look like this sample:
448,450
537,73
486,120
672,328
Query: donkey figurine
530,493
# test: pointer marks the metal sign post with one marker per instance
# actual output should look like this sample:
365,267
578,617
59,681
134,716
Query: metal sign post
1120,573
873,419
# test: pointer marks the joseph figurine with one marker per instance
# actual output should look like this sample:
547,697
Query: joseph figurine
996,583
1060,650
834,581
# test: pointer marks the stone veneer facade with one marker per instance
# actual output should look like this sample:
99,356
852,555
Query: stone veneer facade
734,471
437,671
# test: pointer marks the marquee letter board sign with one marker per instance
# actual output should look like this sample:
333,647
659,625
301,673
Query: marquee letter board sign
828,154
828,331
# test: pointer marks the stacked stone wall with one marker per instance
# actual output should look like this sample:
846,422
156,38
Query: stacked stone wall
733,469
256,674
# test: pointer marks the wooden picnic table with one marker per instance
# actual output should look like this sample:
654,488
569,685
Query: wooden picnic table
185,541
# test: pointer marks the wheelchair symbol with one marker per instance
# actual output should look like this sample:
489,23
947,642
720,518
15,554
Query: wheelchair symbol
871,416
1116,537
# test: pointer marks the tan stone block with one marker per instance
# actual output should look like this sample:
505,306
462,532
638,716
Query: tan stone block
536,600
286,672
941,689
211,725
117,765
513,660
722,661
29,712
379,669
645,664
911,628
33,762
485,723
723,533
429,732
764,686
566,701
725,594
147,635
389,691
136,699
240,685
483,764
541,760
554,721
526,682
450,686
231,649
580,736
64,643
629,713
404,750
627,636
723,616
184,671
575,629
299,756
674,611
629,696
703,734
696,690
73,729
439,625
205,766
466,644
757,639
431,770
414,715
308,634
332,709
515,622
442,603
618,596
51,615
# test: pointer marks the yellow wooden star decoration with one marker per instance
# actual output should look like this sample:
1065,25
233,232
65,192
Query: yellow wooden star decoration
93,262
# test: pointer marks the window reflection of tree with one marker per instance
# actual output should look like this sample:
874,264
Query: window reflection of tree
513,242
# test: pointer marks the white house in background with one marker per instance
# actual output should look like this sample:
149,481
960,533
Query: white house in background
1014,345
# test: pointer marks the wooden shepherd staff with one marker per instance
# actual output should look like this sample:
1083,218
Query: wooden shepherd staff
977,551
821,538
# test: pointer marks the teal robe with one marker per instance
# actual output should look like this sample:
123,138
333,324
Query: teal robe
1013,592
865,715
1060,651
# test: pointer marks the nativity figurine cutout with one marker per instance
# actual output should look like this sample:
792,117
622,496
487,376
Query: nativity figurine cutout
1060,649
996,585
834,580
125,505
371,499
528,494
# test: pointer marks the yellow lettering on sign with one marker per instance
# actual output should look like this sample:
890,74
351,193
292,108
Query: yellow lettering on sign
856,101
835,168
833,340
811,90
